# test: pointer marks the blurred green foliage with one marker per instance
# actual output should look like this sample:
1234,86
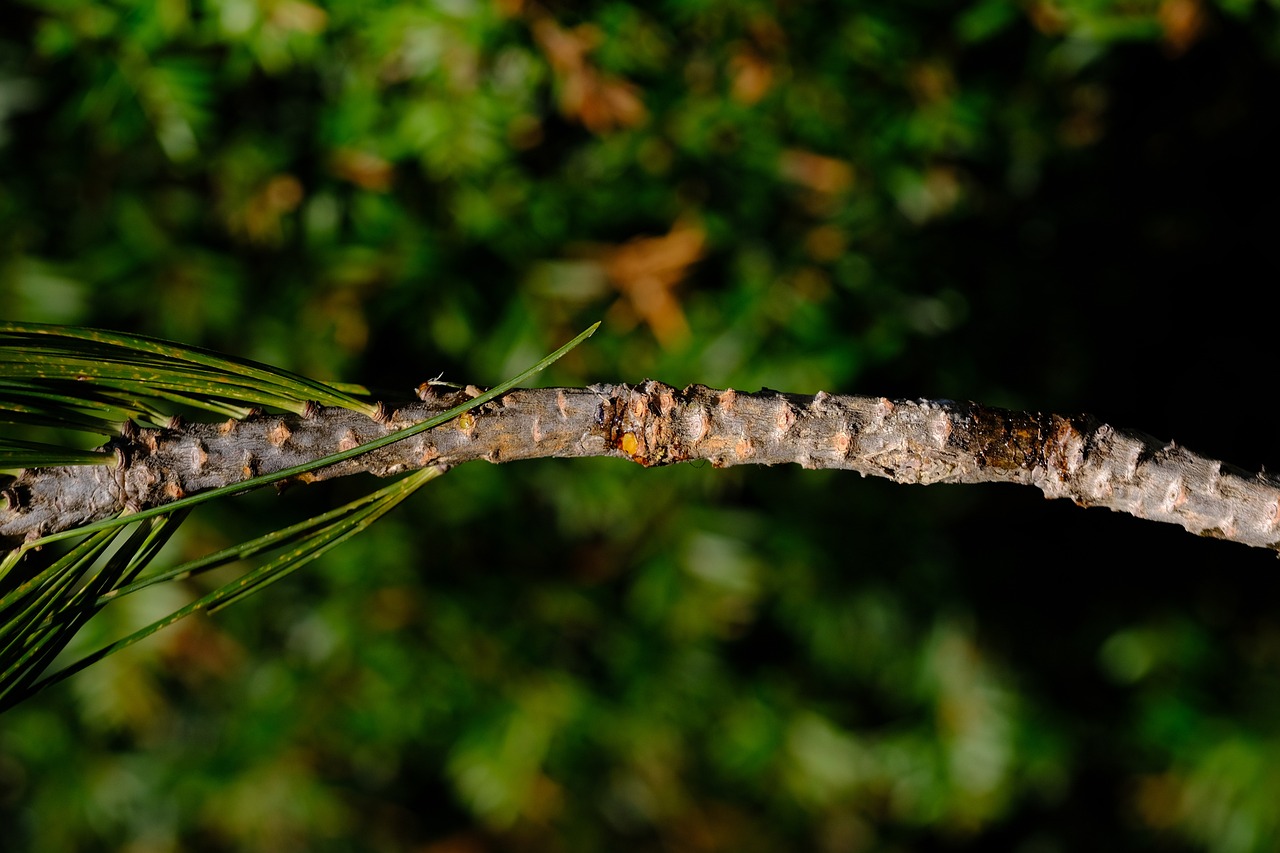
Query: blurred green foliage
996,200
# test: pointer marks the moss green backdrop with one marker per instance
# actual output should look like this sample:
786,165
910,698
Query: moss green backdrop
1066,205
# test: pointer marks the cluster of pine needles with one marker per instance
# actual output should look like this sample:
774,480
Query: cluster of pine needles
62,387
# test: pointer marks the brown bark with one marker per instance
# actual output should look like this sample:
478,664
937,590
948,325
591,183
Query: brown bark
908,441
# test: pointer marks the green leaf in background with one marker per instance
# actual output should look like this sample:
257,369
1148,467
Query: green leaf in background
1054,203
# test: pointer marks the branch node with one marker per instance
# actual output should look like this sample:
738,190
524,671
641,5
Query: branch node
279,433
348,440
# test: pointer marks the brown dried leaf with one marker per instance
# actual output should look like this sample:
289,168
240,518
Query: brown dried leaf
601,102
826,175
646,271
363,169
751,75
1184,22
259,217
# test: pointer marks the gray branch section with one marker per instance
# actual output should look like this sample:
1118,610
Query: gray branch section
915,441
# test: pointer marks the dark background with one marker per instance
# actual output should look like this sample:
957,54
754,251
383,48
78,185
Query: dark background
1058,206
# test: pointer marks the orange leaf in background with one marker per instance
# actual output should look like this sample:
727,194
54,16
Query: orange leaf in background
936,193
363,169
826,175
259,217
600,101
931,82
611,104
752,76
1183,22
1047,17
509,8
296,16
647,269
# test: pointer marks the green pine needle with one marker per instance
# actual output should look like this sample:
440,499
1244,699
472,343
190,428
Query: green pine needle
34,454
297,546
139,368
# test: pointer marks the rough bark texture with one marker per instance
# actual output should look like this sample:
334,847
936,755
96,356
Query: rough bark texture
908,441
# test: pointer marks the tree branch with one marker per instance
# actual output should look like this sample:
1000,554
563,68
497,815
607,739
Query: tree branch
917,441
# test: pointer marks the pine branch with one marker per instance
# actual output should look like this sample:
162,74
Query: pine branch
924,442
